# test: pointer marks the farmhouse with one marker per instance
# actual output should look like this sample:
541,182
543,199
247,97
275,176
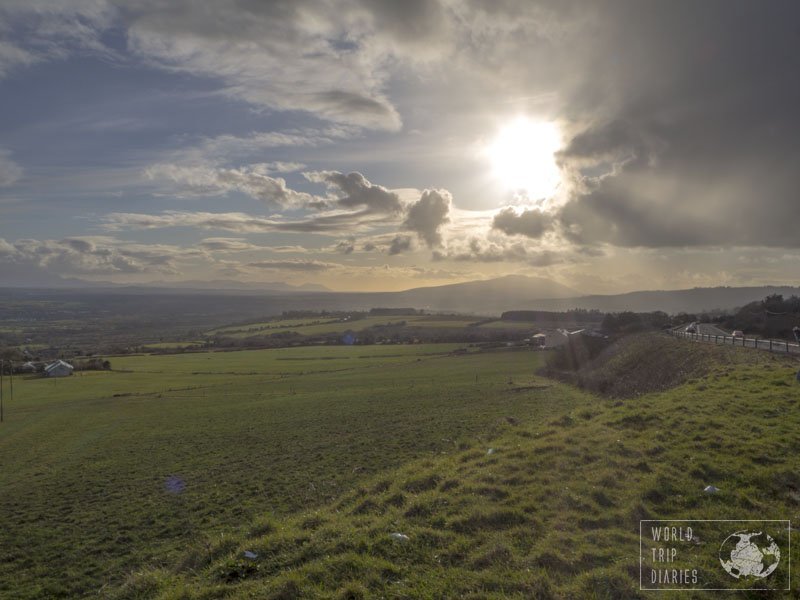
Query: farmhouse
539,340
58,369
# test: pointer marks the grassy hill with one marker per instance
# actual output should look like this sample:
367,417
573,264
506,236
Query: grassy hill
538,508
105,472
637,364
153,480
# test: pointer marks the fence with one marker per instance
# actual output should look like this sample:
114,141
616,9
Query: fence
743,342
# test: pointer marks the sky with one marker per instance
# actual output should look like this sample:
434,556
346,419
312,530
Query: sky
381,145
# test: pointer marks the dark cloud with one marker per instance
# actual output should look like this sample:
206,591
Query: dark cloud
355,191
400,244
692,139
530,223
346,246
427,215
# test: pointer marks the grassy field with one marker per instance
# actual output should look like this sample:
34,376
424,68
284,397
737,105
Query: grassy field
106,472
543,507
320,326
151,481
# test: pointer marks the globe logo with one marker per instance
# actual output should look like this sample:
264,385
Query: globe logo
749,554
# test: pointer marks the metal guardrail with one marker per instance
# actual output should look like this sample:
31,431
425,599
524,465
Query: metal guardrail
742,342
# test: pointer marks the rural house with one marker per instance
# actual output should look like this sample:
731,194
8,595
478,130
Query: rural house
58,369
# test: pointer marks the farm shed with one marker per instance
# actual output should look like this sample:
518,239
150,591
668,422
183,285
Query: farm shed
58,369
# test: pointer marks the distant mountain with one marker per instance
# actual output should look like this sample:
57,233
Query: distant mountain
486,297
695,300
491,296
231,284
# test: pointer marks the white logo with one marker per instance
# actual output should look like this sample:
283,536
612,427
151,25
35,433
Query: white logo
749,554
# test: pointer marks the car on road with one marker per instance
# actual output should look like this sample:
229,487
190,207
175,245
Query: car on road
738,333
692,328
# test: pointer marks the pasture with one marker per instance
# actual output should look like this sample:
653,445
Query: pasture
547,507
322,325
105,472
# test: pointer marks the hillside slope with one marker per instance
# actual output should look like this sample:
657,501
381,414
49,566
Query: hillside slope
693,300
639,364
542,512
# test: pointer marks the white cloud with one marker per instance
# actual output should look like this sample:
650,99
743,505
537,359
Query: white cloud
10,172
12,56
252,180
288,56
93,255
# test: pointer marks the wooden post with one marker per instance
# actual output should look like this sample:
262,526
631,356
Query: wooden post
2,364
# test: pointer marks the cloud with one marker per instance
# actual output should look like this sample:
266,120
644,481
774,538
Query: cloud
42,30
226,149
226,245
307,56
400,244
355,191
292,265
428,214
479,250
345,246
330,223
92,255
530,223
10,172
220,244
252,180
12,57
688,144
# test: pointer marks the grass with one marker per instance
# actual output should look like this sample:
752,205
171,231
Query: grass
320,326
158,477
536,508
105,472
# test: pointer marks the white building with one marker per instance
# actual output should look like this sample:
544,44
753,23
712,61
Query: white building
58,369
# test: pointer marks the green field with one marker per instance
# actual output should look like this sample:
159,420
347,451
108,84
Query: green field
90,462
151,481
319,326
552,511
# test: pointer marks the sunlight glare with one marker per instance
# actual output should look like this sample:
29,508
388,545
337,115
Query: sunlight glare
522,157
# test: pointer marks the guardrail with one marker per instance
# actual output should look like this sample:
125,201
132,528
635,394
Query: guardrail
743,342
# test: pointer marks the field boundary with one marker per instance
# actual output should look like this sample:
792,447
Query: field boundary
781,346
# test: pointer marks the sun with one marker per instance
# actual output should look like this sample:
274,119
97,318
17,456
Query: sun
522,156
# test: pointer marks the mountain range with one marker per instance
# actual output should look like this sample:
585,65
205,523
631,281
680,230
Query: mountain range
485,297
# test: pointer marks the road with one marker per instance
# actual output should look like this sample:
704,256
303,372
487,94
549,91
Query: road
707,332
710,329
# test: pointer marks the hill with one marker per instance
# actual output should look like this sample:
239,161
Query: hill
531,509
695,300
492,296
637,364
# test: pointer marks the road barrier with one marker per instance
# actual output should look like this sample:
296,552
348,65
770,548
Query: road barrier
781,346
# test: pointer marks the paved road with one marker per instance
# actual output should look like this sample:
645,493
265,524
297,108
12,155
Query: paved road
713,334
710,329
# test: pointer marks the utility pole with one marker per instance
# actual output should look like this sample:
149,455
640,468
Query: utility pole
2,364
